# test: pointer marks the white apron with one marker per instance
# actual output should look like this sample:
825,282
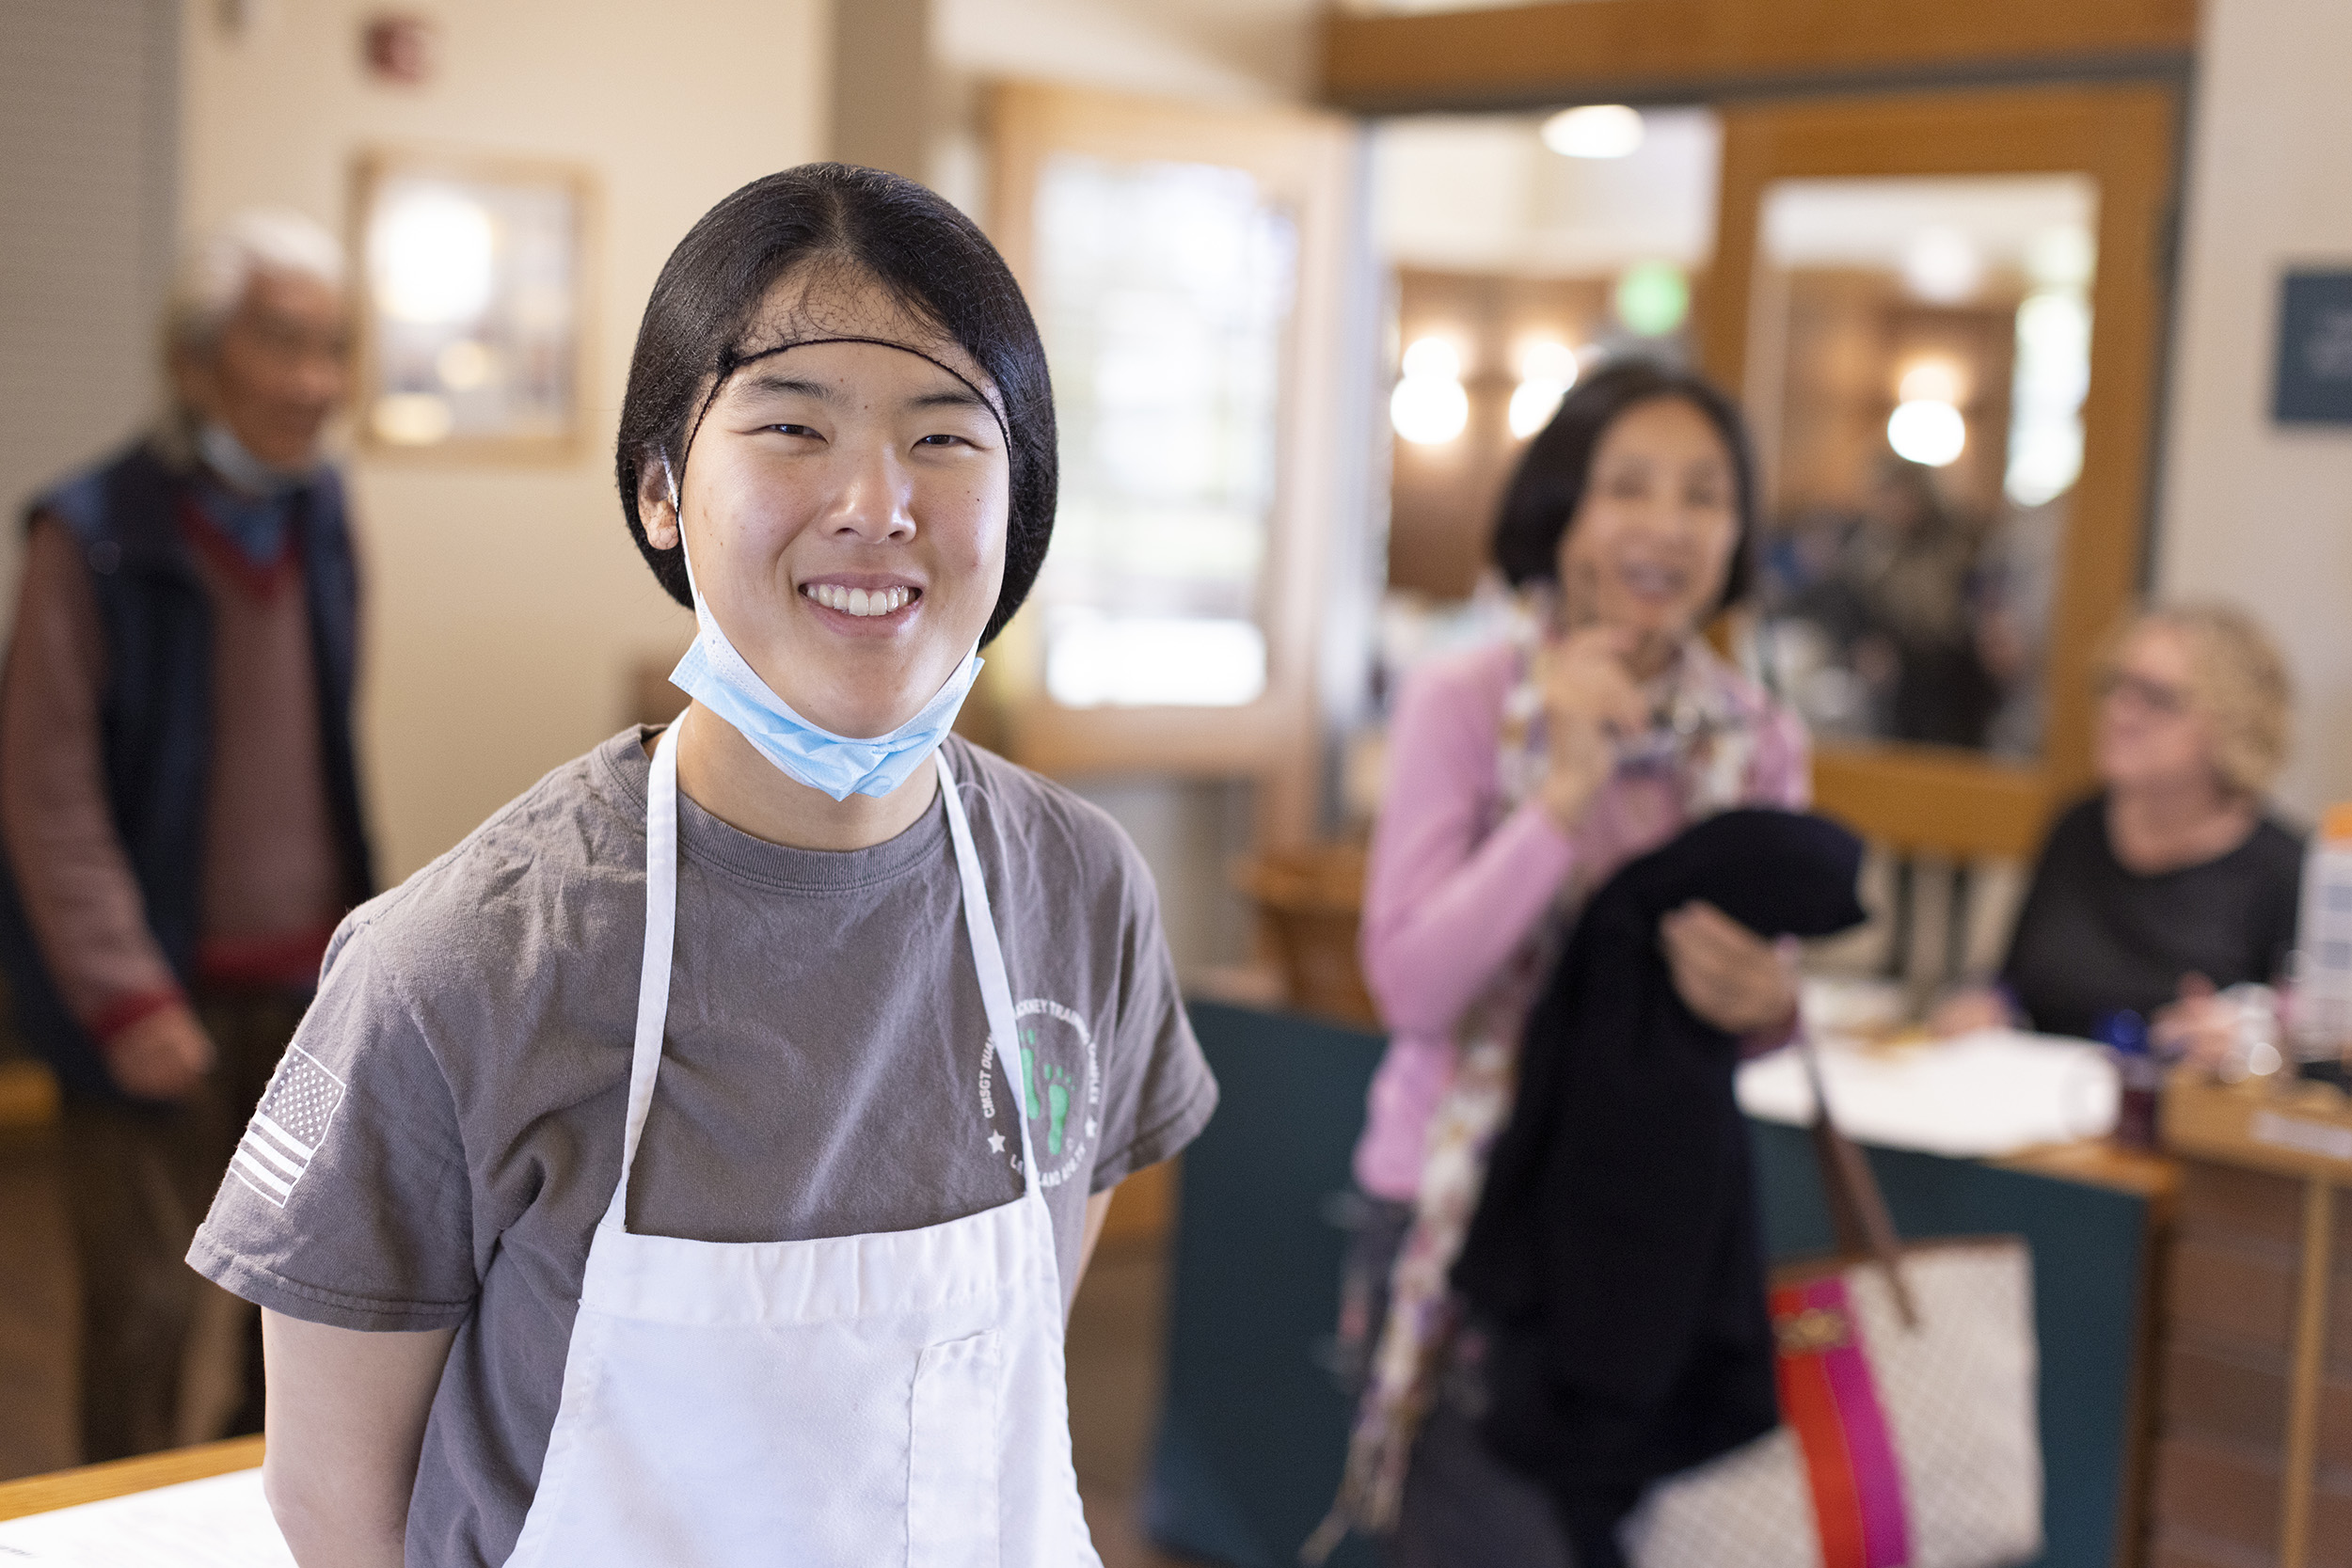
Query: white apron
854,1401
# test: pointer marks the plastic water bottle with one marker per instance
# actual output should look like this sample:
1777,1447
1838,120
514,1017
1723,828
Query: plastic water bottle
2321,1013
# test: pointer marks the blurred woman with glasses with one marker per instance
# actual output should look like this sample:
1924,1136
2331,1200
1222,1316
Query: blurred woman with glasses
2174,882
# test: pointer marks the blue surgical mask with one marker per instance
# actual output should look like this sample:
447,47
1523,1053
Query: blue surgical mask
230,458
716,676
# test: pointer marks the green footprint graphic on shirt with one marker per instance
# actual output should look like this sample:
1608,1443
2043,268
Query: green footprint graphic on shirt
1056,1096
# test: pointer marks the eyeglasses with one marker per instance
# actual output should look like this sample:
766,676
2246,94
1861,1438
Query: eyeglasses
2169,701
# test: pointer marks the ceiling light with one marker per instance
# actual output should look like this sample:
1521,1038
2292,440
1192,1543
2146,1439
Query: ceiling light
1595,131
1533,404
1935,380
1432,359
1928,432
1429,407
1428,411
1548,359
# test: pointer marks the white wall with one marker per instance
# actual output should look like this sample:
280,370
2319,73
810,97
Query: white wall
1481,193
505,603
89,96
2252,510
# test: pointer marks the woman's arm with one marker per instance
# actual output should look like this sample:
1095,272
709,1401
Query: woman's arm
346,1413
1443,909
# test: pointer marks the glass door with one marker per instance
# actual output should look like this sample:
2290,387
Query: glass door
1185,267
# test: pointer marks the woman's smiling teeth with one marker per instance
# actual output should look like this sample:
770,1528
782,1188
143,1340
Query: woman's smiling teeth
1651,581
858,601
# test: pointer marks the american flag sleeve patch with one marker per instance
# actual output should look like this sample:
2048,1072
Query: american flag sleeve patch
287,1128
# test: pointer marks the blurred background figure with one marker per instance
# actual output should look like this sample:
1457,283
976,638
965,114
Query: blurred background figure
1910,564
179,806
2174,882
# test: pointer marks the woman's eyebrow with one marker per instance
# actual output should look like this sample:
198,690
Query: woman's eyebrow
945,397
788,384
957,397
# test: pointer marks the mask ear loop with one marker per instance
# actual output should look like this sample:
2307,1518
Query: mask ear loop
677,511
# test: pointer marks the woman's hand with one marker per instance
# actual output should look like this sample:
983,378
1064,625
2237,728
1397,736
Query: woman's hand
1590,703
2200,1027
162,1056
1725,973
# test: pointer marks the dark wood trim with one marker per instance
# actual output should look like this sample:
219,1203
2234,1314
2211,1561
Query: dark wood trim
1922,799
1666,51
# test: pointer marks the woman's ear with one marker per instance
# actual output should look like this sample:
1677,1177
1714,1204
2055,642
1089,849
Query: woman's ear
656,502
193,382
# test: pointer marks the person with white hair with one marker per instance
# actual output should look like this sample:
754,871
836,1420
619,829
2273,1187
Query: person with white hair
179,802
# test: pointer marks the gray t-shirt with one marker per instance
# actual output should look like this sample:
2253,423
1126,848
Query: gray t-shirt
445,1131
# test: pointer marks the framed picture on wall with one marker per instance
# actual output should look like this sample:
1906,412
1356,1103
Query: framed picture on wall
473,305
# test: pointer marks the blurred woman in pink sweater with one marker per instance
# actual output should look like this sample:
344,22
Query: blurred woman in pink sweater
1521,776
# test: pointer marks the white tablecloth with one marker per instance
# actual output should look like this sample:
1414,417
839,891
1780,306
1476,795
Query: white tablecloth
222,1522
1991,1093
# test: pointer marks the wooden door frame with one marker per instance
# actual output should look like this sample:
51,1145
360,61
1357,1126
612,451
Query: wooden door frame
1304,159
1945,800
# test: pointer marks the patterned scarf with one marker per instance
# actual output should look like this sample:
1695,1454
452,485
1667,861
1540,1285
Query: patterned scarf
1701,739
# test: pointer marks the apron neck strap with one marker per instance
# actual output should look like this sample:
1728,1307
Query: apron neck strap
653,975
653,986
988,960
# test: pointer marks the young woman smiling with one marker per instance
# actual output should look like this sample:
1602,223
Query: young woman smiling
1522,776
694,1166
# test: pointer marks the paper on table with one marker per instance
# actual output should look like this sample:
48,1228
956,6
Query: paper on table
220,1522
1990,1093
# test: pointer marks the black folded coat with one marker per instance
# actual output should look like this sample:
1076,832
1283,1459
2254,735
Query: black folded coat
1616,1263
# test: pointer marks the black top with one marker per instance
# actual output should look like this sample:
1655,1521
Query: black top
1616,1256
2095,938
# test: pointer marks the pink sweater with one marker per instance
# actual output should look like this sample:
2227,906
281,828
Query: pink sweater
1455,885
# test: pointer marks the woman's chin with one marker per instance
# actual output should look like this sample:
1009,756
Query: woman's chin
867,716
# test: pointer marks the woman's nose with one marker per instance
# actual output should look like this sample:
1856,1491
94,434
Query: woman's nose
874,500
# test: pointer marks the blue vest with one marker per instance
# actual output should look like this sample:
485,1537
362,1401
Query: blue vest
155,716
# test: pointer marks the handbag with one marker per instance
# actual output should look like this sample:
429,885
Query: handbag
1909,1433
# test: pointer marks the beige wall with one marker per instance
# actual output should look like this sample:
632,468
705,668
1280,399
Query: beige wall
2252,510
1200,51
505,603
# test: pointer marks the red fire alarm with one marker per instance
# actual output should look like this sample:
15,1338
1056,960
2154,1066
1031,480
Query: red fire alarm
398,47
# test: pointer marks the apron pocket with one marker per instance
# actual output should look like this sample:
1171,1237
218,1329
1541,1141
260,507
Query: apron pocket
952,1455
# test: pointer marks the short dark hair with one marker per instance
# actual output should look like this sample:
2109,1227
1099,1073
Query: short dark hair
1549,485
928,258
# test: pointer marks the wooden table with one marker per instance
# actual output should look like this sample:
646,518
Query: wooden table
96,1482
2258,1411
